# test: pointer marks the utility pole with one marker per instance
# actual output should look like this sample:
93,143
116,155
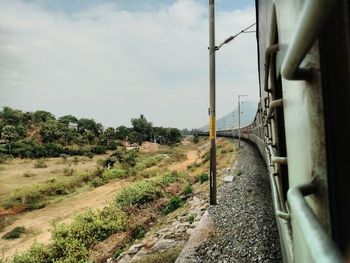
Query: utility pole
239,119
212,118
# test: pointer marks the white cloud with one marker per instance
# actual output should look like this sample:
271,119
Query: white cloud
112,64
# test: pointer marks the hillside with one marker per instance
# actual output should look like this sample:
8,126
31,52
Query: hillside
230,120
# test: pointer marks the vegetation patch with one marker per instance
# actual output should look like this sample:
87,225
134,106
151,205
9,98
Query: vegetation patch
14,233
113,174
71,242
174,203
40,163
203,177
187,190
169,178
138,193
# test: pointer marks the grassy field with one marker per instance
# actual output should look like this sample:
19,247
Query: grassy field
137,196
21,173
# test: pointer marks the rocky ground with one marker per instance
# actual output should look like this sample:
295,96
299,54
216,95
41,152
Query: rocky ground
244,223
168,239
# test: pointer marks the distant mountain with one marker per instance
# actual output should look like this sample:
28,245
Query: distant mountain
230,120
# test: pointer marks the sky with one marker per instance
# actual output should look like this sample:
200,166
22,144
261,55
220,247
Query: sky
112,60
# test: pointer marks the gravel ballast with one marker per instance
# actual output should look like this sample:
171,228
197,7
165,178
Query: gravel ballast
244,223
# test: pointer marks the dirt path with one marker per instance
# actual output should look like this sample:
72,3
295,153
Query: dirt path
39,222
192,156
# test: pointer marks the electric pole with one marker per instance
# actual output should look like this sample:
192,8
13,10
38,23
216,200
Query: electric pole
212,118
239,119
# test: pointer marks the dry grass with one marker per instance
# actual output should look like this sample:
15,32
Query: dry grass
21,173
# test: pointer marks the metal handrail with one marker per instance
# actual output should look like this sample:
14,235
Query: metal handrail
313,17
268,53
321,247
275,195
275,158
273,105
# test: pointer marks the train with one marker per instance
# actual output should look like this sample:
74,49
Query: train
302,125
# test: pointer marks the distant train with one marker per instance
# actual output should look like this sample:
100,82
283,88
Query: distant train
302,125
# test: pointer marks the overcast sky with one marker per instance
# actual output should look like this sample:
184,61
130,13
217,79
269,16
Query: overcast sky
114,60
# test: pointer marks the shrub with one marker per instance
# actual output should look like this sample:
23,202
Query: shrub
72,242
187,189
97,182
195,138
40,163
76,160
138,193
68,171
64,157
90,155
169,178
108,162
193,166
38,253
202,178
139,232
190,219
4,158
14,233
205,157
114,173
153,160
223,151
239,172
125,158
174,203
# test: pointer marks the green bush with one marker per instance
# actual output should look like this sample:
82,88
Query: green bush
34,197
114,173
97,182
190,219
202,178
14,233
72,242
38,253
169,178
153,160
138,193
125,158
187,190
174,203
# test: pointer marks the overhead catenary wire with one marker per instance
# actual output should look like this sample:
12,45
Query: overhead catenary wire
230,38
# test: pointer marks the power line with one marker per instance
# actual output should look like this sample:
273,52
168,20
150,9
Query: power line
229,39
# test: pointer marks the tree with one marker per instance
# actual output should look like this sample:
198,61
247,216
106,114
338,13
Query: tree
89,125
143,127
136,137
11,116
52,131
122,132
43,116
68,119
174,136
10,134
